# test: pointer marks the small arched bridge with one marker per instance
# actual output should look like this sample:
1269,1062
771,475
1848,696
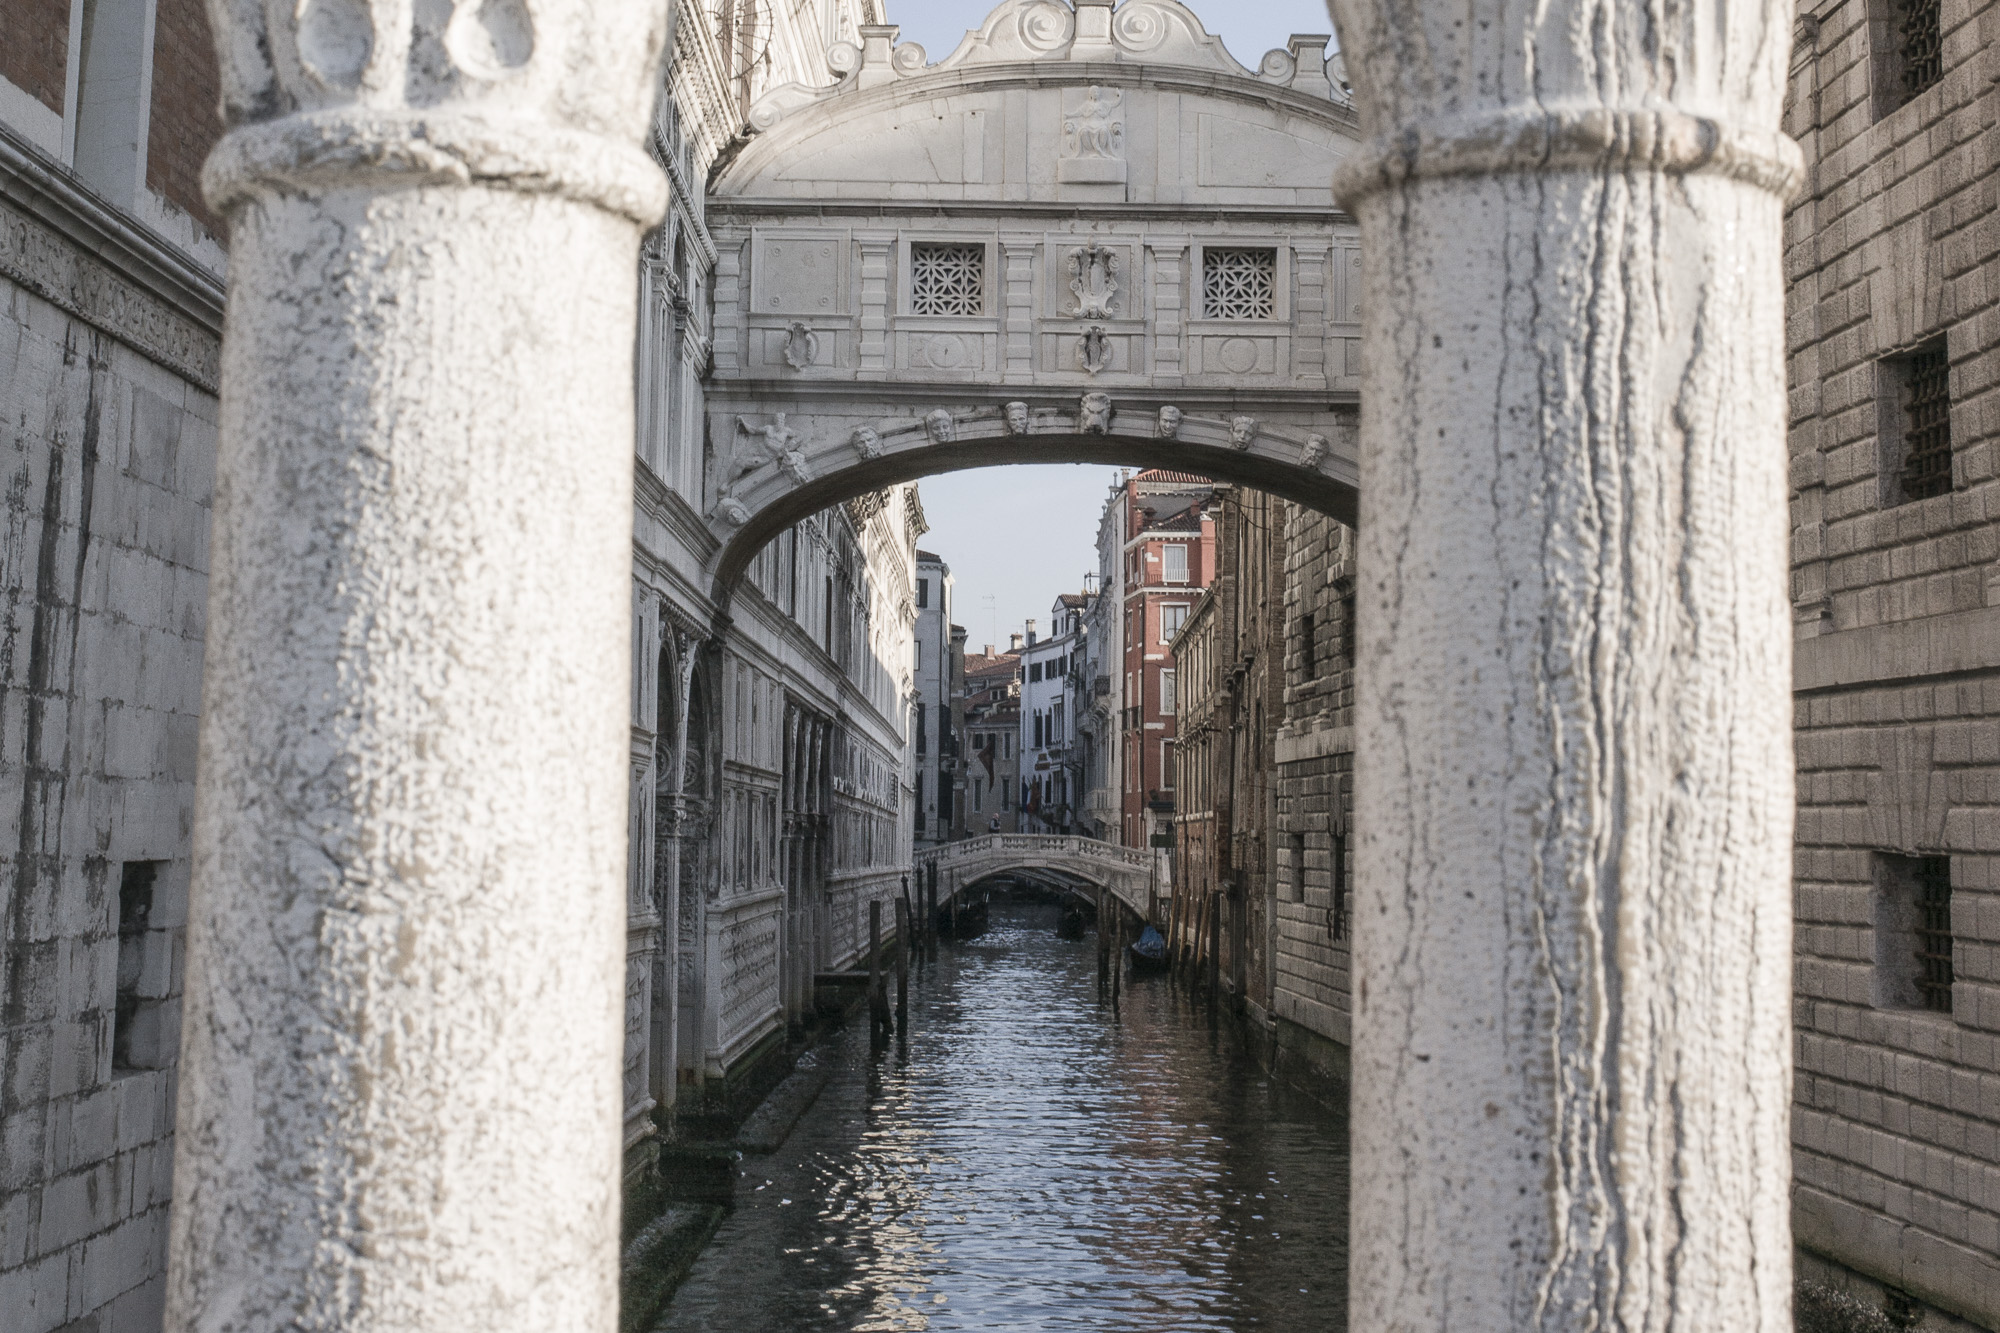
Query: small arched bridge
1078,864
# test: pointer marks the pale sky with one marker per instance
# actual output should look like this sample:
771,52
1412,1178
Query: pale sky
1020,535
1248,28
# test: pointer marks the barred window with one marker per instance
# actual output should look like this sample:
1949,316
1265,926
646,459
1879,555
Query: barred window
1337,922
947,279
1925,390
1913,938
1934,978
1239,283
1919,38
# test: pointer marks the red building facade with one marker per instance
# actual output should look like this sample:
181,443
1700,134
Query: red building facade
1168,558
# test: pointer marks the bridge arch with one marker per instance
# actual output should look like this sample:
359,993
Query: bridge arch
1315,470
1126,873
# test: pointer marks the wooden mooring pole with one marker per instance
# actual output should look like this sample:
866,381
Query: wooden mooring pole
903,927
878,1000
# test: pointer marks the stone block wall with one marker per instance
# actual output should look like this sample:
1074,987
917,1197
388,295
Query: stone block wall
108,459
1315,761
1892,252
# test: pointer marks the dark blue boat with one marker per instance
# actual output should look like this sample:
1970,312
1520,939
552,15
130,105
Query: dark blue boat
1149,951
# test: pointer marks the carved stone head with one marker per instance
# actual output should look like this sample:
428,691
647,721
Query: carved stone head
1314,451
1170,422
1093,416
866,442
1017,418
1242,430
939,425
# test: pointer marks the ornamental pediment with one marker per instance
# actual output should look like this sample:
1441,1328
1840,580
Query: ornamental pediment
1136,104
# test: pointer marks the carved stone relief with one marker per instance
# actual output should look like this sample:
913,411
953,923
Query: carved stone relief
1093,280
780,446
939,426
866,442
1094,139
1242,431
1314,451
1170,423
801,345
1093,415
1093,350
1016,417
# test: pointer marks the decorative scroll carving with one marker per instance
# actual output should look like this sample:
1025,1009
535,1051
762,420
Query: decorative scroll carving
1170,423
1094,280
940,427
1093,350
1016,417
1242,431
801,345
1093,414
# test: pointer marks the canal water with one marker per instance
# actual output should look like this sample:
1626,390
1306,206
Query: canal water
1031,1157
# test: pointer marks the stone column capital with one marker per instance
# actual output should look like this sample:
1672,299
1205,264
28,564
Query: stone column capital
544,97
1569,86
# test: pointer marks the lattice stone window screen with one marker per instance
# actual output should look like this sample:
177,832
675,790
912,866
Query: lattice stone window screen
1927,424
1919,36
947,279
1239,283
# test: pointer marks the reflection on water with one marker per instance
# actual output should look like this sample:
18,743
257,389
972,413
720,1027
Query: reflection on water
1032,1160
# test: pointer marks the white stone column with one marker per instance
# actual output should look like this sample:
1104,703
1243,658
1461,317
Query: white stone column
1571,1061
399,1088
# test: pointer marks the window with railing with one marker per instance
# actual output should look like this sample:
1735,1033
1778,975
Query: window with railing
1239,282
947,279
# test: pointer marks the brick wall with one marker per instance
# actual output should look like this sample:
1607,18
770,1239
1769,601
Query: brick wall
1894,247
34,57
186,116
108,460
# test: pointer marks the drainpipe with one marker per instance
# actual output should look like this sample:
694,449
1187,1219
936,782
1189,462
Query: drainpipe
399,1088
1574,789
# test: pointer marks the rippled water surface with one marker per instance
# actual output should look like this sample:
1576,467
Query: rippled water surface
1031,1159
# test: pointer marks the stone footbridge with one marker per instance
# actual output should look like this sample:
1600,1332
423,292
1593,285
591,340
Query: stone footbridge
1081,865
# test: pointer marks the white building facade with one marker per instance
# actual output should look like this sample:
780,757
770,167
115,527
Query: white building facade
934,739
1051,773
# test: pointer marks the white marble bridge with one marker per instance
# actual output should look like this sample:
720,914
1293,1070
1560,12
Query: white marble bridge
1079,864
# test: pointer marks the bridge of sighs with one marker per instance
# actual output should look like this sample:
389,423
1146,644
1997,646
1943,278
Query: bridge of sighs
1084,236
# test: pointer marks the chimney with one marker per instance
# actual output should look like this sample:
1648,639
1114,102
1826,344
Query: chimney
989,650
1013,643
1031,633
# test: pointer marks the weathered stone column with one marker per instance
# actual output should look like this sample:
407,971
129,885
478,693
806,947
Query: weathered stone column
399,1089
1571,1060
